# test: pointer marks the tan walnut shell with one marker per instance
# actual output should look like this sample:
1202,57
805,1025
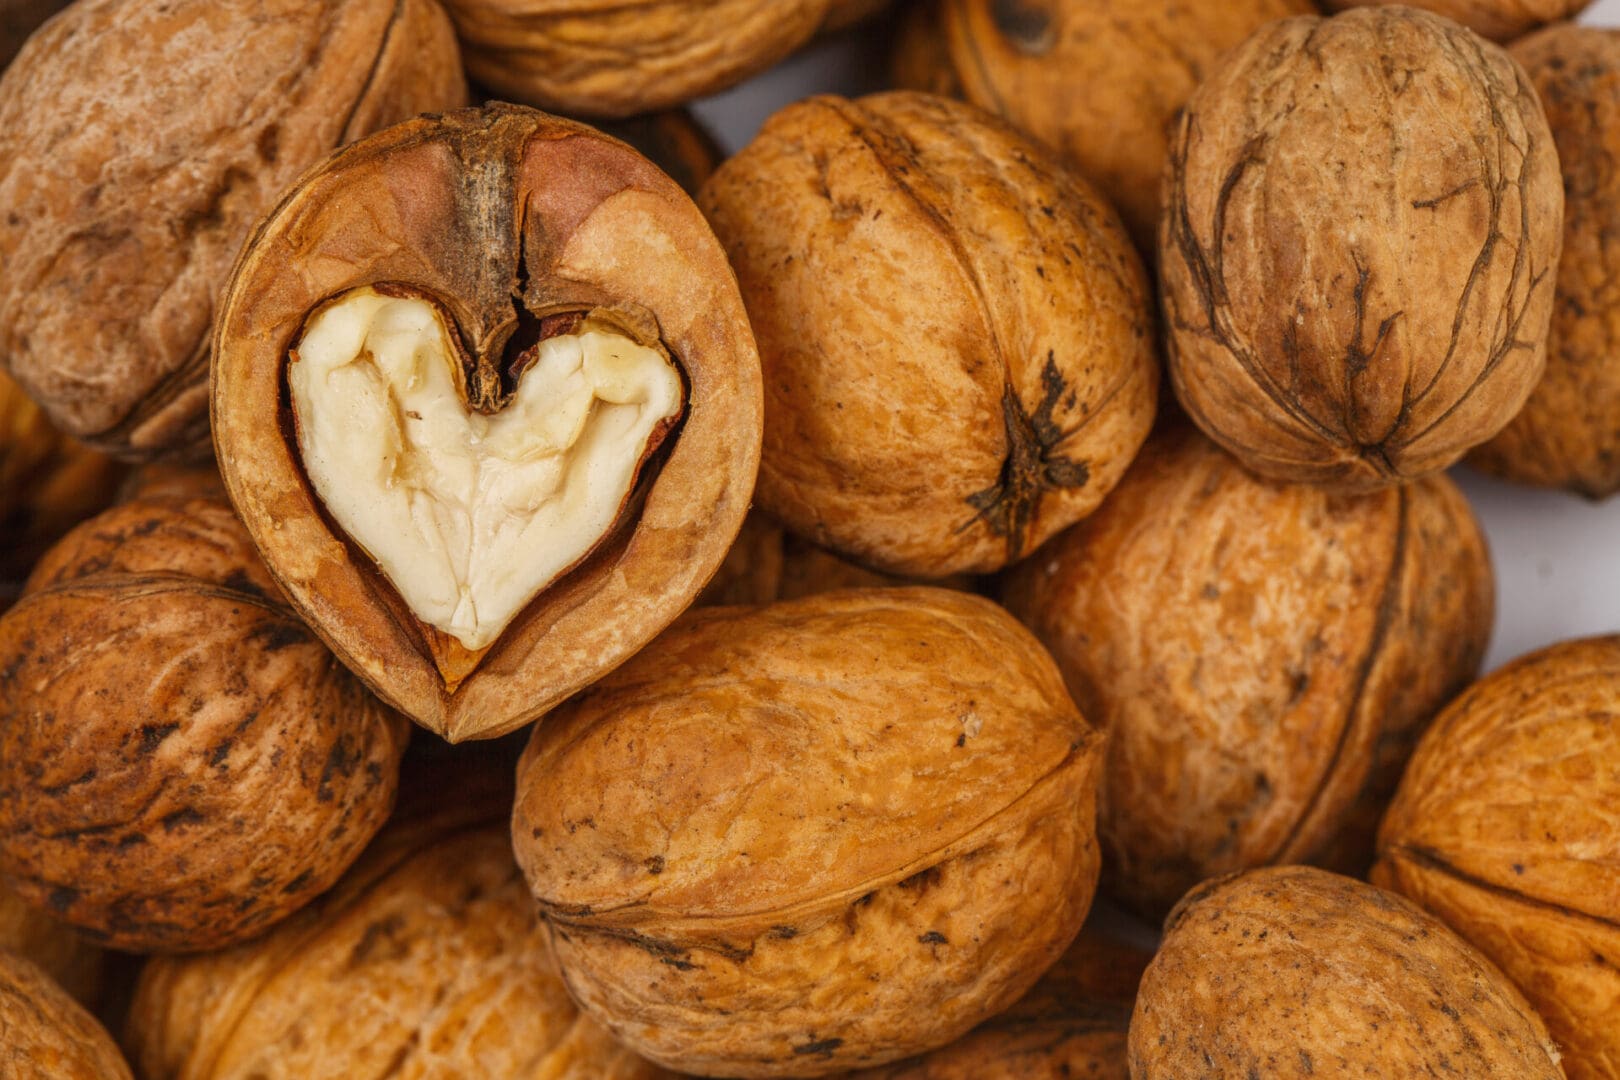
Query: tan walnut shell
1568,433
1362,223
139,141
182,763
45,1034
1263,657
1505,828
824,834
956,335
494,212
1293,972
1499,20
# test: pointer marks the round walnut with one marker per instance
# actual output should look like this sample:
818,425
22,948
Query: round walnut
18,19
75,964
1363,216
1292,972
824,834
46,1035
1101,81
182,763
139,141
1499,20
486,398
957,343
1568,434
1263,657
1504,827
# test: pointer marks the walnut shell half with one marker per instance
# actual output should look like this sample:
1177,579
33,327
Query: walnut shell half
814,836
46,1035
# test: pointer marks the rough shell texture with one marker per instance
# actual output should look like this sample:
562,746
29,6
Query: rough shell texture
1363,216
74,963
487,210
1505,828
1293,972
958,348
138,143
673,140
46,1035
181,762
1262,655
1568,434
18,19
819,835
1101,82
1499,20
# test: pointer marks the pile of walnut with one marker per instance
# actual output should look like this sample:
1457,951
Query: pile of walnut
1018,487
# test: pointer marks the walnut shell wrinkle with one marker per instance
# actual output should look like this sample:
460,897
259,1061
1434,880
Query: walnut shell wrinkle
486,398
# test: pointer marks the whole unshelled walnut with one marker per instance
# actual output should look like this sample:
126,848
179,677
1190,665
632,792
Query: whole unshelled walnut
46,1035
955,332
139,141
1499,20
1291,972
1363,218
1504,827
1263,657
182,763
824,834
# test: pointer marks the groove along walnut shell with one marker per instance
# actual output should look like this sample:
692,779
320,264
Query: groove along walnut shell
1294,972
1263,657
956,335
816,836
1363,217
488,210
1504,828
139,141
182,763
45,1034
1568,433
1499,20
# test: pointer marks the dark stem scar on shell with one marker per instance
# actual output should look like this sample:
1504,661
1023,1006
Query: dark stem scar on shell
1032,466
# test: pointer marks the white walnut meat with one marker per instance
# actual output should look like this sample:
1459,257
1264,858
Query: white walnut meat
815,836
486,398
46,1035
1499,20
182,763
1292,972
139,141
1363,218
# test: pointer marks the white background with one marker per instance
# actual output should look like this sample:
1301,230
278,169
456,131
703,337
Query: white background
1557,556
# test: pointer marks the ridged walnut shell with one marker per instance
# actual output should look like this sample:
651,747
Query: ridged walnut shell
493,211
1263,657
1499,20
182,763
139,141
1293,972
59,951
1101,82
1362,222
815,836
956,333
1505,828
1568,433
46,1035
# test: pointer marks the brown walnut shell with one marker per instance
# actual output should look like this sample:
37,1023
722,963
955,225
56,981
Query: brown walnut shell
675,141
1568,433
1101,82
139,141
921,59
1263,657
1499,20
1362,219
1504,827
1294,972
181,762
956,335
45,1034
63,954
494,212
820,835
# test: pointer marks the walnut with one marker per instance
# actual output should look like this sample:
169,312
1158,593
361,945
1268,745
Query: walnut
815,836
18,19
45,1034
1499,20
673,140
75,964
1263,657
931,408
1362,219
139,140
1504,827
1568,434
181,762
1293,972
921,59
486,398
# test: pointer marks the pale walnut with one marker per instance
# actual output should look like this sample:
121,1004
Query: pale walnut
46,1035
1499,20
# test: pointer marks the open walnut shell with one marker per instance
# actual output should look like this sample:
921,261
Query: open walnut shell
487,400
46,1035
